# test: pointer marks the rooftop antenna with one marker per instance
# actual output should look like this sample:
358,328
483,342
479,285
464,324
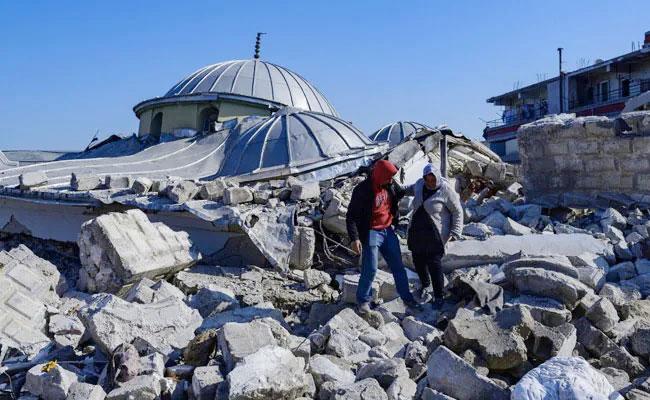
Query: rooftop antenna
258,39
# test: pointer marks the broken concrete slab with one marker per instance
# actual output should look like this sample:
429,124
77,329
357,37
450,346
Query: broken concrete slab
593,339
167,325
143,387
116,249
539,282
272,373
365,389
242,315
499,249
314,278
562,378
29,285
547,342
453,376
499,339
147,291
85,391
213,300
49,383
384,371
327,368
238,340
205,382
545,310
603,315
68,330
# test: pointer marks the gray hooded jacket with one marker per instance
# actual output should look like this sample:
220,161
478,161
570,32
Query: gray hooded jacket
443,206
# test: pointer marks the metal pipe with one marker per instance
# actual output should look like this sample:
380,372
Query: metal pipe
559,50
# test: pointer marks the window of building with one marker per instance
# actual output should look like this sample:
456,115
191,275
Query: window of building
625,88
604,91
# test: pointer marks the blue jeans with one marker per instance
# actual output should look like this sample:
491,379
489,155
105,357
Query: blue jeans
383,241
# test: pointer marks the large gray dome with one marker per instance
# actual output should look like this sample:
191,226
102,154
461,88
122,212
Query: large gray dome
255,78
293,141
396,132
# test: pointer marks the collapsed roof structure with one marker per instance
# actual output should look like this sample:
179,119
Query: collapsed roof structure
273,134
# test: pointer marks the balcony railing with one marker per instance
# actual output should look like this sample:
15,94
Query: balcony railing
519,115
613,96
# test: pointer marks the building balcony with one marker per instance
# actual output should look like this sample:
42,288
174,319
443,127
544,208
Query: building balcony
607,101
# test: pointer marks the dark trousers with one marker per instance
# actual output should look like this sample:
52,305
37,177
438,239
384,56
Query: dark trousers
429,268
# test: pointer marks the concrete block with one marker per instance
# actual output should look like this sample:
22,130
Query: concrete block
51,384
142,185
120,248
205,382
143,387
238,340
84,182
213,190
304,247
305,191
270,373
237,195
85,391
166,325
182,192
118,182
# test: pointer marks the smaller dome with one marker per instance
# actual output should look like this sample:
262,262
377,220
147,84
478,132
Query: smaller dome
396,132
293,141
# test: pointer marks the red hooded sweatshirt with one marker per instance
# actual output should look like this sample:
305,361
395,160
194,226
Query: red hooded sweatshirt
382,173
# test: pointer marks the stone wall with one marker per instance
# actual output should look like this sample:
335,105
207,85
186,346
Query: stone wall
563,156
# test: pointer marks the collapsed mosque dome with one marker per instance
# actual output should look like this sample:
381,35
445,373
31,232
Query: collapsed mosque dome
226,90
311,145
397,132
258,79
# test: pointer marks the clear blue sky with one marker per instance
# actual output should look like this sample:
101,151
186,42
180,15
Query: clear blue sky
68,68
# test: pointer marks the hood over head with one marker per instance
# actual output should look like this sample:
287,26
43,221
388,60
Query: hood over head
382,172
432,169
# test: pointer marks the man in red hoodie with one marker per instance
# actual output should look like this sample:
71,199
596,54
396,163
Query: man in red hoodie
370,218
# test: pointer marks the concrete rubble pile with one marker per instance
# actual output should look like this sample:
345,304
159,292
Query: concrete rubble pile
144,316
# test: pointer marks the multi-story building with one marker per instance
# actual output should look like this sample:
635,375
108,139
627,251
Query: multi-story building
608,87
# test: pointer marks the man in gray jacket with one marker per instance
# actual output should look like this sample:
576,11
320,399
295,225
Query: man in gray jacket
437,218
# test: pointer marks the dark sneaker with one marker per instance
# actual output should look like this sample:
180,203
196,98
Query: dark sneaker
363,308
413,305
